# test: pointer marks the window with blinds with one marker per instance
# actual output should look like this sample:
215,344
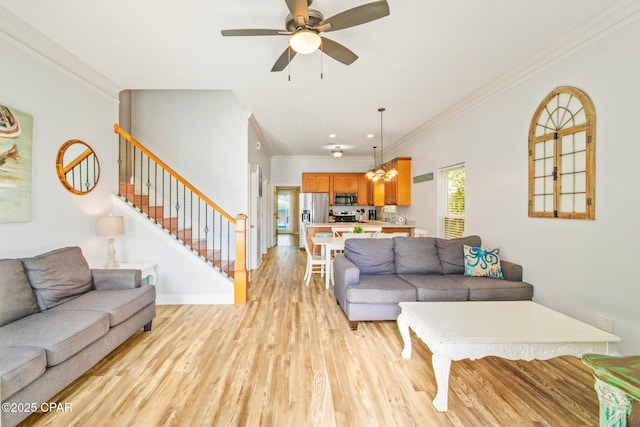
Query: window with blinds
452,202
562,156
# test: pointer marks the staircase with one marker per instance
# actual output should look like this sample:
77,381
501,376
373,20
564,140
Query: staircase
159,193
172,226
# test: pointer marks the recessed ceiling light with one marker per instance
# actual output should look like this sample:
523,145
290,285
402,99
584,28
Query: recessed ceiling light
332,135
370,135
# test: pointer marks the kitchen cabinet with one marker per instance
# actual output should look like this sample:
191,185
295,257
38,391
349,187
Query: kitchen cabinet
315,182
345,183
378,192
363,191
397,190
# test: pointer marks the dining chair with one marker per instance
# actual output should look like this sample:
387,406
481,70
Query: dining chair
356,235
337,231
315,263
419,232
375,231
392,235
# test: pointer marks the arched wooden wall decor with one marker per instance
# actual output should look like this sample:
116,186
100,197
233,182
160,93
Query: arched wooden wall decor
562,145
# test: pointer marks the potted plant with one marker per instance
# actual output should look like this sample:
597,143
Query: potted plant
357,229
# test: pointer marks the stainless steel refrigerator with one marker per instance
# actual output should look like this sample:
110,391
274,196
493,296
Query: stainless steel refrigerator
314,208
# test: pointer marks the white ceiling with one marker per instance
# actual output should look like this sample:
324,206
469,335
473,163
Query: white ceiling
424,62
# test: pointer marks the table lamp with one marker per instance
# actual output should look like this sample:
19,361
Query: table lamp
110,226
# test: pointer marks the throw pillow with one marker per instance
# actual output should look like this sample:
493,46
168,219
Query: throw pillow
451,253
371,256
416,255
482,262
16,296
58,276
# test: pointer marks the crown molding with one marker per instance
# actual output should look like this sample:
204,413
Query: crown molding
22,35
608,22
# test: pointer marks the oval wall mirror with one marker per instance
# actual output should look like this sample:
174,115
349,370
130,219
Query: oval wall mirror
78,167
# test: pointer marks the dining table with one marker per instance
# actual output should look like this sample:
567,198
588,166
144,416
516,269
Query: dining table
329,244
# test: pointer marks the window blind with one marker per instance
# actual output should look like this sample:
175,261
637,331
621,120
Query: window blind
452,202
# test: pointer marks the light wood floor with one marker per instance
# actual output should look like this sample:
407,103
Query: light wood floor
288,358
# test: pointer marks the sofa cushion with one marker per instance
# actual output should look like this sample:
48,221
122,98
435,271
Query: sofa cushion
60,333
58,276
436,287
482,262
489,289
380,289
451,253
16,296
416,255
371,256
118,304
19,367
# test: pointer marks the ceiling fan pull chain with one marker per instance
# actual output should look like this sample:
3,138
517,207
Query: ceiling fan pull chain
321,62
289,64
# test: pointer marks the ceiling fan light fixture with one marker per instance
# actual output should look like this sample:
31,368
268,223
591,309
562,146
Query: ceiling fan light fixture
337,151
305,41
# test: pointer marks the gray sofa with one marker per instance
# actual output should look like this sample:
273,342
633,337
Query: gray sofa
374,275
58,318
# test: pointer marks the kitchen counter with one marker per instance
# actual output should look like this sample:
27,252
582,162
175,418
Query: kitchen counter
382,224
387,227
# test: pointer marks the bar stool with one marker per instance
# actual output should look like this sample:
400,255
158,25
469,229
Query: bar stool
617,385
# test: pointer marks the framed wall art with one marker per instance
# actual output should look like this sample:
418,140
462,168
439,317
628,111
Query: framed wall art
16,135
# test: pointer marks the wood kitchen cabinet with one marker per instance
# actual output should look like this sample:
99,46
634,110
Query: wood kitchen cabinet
315,182
345,183
397,190
363,191
377,198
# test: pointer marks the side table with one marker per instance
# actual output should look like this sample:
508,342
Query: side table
148,270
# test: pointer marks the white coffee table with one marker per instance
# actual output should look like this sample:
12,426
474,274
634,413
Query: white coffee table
515,330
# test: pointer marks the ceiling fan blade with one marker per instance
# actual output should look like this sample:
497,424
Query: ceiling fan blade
299,10
356,16
338,51
255,32
284,59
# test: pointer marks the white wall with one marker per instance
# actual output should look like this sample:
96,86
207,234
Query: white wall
63,108
582,268
202,135
260,225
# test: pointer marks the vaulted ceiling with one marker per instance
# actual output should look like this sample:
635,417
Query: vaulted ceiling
424,62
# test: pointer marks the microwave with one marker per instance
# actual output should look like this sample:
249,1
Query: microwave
345,199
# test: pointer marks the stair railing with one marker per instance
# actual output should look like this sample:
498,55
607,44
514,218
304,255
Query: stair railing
173,203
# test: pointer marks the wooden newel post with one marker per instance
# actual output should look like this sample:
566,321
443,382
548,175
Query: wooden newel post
241,277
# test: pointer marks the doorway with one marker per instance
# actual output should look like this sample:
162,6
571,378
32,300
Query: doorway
286,215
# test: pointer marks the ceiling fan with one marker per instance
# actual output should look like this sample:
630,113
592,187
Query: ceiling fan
305,25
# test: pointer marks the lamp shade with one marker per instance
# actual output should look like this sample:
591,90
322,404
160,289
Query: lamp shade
109,225
305,41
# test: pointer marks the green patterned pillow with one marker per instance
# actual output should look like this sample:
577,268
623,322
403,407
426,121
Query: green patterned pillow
482,262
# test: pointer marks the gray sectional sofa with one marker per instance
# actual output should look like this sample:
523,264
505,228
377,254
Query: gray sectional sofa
374,275
58,318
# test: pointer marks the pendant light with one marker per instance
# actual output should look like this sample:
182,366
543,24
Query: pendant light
382,172
372,172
